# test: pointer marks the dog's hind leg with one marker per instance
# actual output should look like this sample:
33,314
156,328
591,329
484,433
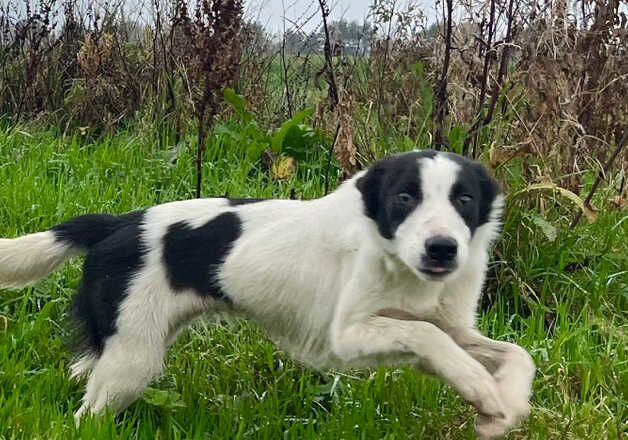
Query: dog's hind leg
126,366
148,320
83,364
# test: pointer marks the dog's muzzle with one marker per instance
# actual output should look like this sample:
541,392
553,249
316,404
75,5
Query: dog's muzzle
440,256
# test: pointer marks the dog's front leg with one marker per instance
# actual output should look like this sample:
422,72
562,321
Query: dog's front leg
511,366
382,340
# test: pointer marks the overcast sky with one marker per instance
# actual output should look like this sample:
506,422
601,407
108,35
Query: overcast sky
271,12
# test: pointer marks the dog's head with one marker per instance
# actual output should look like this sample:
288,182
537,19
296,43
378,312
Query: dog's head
433,208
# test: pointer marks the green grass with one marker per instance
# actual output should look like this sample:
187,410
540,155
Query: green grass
564,300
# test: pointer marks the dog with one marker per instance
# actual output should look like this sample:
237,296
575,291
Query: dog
386,270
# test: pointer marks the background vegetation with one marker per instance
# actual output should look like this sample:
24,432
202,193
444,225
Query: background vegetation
114,107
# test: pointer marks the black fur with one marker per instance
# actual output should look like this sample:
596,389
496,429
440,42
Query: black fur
388,183
238,202
385,188
193,255
87,230
473,180
115,254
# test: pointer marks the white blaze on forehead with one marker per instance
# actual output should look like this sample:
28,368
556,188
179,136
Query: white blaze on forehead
438,176
435,215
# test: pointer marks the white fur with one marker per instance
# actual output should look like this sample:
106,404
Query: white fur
316,275
26,259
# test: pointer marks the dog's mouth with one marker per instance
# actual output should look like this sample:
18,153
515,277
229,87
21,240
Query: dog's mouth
436,271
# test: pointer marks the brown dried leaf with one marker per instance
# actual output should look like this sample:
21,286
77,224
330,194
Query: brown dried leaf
344,147
589,211
500,154
620,201
283,168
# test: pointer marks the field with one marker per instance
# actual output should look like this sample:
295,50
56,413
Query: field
561,293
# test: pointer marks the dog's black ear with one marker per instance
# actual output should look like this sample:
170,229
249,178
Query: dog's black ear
370,186
490,189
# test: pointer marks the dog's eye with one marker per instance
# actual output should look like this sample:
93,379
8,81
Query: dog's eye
405,198
464,199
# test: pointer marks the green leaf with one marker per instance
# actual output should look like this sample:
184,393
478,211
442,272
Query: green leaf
328,391
254,150
547,228
171,155
456,139
237,102
296,142
277,140
225,130
163,398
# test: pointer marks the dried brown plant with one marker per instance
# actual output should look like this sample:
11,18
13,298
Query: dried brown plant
211,57
345,149
575,77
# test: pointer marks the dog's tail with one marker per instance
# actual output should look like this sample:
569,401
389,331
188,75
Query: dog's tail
26,259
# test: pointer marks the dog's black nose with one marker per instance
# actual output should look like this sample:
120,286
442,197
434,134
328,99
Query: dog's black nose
441,249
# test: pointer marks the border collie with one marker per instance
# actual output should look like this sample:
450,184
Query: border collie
386,270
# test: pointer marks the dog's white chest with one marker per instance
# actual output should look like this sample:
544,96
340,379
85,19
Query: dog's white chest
418,298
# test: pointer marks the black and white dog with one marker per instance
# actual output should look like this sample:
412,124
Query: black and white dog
386,270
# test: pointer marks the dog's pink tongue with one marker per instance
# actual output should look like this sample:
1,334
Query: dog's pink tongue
438,269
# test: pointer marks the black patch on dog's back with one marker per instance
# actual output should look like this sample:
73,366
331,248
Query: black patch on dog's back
238,202
107,271
384,181
193,255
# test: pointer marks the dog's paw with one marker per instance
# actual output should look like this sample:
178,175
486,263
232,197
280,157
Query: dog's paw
516,403
516,406
481,390
488,427
515,391
80,413
514,381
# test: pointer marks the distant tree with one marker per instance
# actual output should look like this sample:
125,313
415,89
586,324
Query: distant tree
254,34
349,37
433,31
131,31
300,42
351,32
293,41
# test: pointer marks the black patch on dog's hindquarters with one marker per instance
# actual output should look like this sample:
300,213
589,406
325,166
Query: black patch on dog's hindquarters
193,255
87,230
107,271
